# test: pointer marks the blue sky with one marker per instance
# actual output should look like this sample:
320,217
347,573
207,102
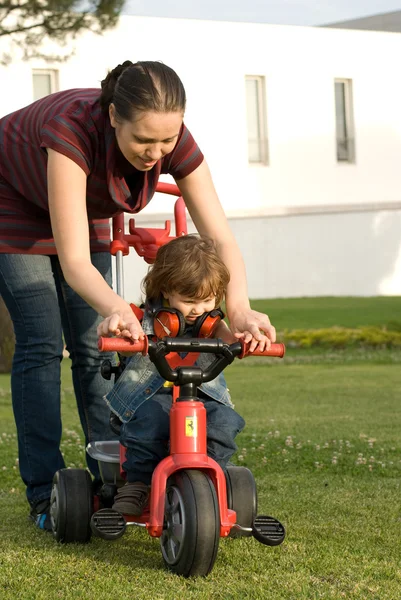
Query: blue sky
284,12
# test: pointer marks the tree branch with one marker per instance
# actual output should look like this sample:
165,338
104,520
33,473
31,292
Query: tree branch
29,23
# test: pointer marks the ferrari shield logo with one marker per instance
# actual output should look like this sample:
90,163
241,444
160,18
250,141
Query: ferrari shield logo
191,426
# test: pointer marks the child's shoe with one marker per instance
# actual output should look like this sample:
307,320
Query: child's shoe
40,514
132,498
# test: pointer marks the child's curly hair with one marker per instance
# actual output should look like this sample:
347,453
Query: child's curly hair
190,266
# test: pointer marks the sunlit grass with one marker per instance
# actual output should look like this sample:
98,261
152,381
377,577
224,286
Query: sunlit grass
324,443
341,311
323,440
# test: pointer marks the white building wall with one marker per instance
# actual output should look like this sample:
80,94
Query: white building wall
307,224
332,254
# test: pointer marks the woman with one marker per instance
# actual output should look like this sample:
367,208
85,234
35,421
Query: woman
68,163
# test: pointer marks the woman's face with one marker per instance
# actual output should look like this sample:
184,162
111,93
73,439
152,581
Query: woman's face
147,139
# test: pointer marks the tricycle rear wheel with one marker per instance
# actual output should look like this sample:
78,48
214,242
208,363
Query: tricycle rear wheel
71,506
242,497
191,532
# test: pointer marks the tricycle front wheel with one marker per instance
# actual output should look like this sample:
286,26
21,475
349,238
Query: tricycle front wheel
191,531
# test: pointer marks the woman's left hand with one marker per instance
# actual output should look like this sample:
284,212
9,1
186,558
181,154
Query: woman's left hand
253,327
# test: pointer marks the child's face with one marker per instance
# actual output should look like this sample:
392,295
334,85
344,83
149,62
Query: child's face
190,309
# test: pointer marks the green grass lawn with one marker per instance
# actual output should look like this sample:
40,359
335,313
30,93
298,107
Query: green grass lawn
323,440
314,313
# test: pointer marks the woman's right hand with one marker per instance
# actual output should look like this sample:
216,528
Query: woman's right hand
121,324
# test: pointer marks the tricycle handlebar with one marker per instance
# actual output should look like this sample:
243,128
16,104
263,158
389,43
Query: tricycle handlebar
124,345
159,350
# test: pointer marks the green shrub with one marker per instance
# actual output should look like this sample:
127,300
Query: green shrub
7,340
341,337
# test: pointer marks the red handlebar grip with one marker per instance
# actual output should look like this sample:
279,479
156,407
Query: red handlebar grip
277,350
116,344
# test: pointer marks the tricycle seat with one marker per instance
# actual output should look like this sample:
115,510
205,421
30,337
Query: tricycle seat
107,454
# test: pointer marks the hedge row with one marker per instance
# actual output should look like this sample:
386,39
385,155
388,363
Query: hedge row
332,337
341,337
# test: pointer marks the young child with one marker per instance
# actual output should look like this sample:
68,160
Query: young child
189,279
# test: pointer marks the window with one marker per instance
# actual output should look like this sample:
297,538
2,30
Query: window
45,82
256,119
345,139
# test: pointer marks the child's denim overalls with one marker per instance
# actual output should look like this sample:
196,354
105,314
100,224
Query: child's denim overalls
142,402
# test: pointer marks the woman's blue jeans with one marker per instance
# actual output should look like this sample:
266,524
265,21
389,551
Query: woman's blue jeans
43,307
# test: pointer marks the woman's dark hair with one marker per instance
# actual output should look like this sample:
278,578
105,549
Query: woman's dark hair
142,86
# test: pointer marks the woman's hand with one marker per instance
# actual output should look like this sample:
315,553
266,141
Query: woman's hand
254,328
122,324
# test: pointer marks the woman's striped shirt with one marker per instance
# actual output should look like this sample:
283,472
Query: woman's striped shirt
72,123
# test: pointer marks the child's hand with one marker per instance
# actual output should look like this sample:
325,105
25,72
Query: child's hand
253,327
121,324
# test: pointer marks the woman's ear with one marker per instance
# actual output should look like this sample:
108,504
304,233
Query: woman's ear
112,115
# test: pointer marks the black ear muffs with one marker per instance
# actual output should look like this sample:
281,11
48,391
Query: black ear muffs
168,322
206,324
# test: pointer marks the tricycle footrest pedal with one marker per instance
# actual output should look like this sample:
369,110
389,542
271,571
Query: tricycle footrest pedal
108,524
268,531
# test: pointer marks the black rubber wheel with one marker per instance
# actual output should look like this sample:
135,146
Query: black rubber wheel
242,497
71,506
191,532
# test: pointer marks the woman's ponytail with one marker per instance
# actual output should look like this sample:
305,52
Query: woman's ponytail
109,83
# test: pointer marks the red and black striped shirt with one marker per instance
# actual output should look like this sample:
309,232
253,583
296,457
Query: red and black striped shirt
72,123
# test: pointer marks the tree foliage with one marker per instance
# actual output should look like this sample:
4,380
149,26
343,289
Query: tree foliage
29,24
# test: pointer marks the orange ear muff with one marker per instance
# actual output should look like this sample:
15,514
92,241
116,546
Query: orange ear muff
168,322
207,323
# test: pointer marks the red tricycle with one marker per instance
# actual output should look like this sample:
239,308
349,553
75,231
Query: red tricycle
192,501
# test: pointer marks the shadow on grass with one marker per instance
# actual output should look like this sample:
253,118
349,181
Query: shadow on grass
18,535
